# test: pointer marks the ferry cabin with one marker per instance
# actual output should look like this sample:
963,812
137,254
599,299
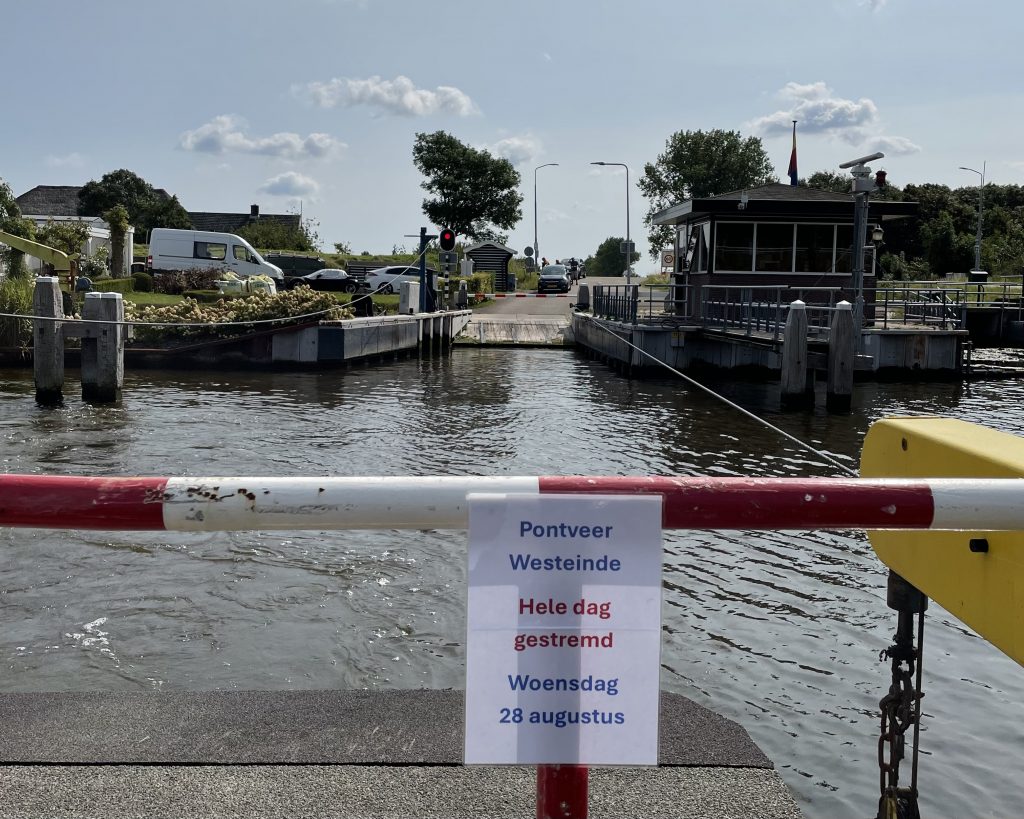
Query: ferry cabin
773,235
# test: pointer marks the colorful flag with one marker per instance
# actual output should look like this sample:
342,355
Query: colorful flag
792,159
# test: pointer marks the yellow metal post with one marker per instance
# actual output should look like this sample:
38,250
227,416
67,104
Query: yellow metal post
977,576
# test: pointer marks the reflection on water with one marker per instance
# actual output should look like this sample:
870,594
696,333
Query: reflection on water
780,631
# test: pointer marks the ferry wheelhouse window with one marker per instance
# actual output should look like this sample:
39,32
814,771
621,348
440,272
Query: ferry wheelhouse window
814,248
844,249
210,250
774,247
734,246
696,251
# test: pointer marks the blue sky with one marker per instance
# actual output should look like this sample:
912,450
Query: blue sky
227,104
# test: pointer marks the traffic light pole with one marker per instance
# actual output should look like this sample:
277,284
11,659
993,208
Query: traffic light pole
426,298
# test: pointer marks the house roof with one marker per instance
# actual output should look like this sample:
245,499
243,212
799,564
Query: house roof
50,200
230,222
62,200
481,245
779,201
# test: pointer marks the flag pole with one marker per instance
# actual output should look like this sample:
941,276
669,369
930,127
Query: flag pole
793,177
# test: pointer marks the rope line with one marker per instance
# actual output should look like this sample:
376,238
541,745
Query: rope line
732,404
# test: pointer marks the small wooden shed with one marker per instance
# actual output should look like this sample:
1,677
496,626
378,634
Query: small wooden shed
491,257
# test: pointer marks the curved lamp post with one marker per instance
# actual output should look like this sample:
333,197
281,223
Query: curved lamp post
981,201
629,244
536,249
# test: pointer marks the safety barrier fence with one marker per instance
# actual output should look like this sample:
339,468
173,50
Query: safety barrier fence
261,503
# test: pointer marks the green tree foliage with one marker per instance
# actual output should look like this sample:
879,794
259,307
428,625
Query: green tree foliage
608,259
146,208
829,181
270,234
698,164
162,212
66,236
11,221
117,219
472,191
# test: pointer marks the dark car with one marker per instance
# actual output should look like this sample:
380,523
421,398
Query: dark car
329,279
554,277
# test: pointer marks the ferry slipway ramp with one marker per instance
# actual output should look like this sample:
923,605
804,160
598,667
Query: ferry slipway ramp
337,754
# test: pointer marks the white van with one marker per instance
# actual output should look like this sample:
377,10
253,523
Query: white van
192,249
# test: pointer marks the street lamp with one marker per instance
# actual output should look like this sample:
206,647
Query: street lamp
981,201
536,250
629,244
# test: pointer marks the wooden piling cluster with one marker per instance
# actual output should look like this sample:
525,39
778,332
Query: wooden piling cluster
797,376
102,343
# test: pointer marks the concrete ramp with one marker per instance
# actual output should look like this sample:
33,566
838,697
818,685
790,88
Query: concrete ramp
513,331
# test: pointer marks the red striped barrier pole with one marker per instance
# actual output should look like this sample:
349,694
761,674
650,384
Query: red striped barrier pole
525,295
562,791
246,504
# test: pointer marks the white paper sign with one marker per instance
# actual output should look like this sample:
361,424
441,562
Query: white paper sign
563,629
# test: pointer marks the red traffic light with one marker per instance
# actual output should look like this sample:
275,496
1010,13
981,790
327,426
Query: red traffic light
447,239
879,179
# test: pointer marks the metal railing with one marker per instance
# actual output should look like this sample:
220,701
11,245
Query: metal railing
765,309
919,304
633,303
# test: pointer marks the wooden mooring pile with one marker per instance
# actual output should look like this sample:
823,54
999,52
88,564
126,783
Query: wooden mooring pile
103,334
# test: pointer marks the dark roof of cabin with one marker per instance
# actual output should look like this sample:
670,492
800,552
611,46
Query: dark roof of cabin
779,201
50,200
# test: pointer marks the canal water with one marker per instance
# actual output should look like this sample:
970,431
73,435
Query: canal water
779,631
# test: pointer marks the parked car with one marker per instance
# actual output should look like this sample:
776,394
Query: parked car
389,279
295,265
329,279
554,277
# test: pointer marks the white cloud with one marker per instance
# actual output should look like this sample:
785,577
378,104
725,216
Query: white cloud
397,96
818,110
892,146
72,160
290,184
519,150
225,133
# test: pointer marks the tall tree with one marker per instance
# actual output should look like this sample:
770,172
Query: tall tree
472,190
696,164
146,207
117,219
608,258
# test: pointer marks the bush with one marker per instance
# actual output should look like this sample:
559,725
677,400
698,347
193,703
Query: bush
299,302
176,282
109,285
142,283
15,297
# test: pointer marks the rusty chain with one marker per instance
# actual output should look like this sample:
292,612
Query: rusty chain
901,710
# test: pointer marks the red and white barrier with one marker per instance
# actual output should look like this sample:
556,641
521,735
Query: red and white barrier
525,295
239,504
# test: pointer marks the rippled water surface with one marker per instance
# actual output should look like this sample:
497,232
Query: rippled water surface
779,631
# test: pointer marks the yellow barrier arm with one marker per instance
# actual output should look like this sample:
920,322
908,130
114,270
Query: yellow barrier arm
60,261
